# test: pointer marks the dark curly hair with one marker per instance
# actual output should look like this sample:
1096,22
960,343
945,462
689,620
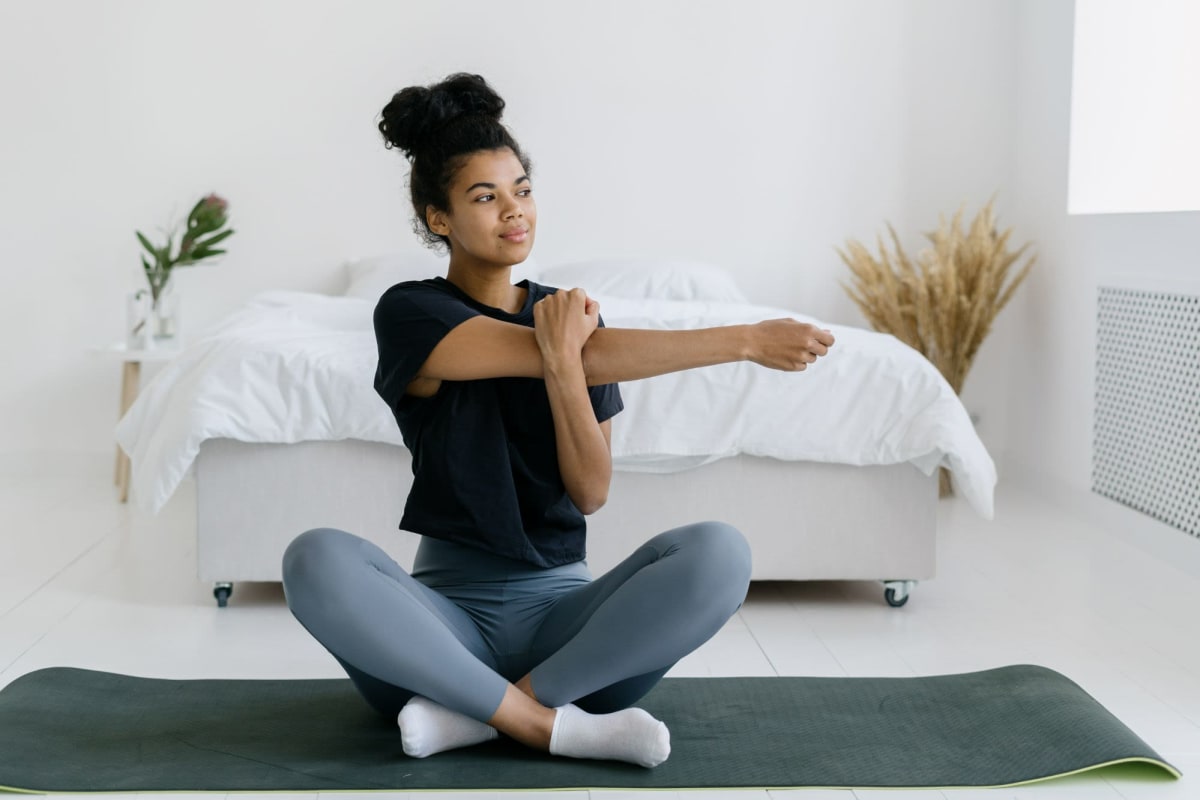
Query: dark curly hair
438,127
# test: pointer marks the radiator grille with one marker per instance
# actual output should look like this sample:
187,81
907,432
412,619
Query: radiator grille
1146,447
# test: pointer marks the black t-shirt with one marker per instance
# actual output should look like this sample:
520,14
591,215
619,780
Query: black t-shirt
485,463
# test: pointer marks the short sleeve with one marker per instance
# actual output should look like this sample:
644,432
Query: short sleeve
606,401
410,319
606,398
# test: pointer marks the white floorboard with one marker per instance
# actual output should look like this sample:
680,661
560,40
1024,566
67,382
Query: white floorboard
89,582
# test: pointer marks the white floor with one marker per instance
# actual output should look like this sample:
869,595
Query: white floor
89,582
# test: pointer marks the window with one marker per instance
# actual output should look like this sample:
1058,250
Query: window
1135,107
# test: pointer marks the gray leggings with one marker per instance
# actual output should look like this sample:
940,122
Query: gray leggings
466,623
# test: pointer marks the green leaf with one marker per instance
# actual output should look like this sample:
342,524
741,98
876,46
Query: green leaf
214,240
198,255
146,244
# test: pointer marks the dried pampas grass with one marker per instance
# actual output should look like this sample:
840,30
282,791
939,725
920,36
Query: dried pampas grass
944,306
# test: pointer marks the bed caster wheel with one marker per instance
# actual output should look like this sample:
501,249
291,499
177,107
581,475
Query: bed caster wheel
896,592
221,591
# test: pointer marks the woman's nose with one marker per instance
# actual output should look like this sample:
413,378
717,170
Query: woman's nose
512,208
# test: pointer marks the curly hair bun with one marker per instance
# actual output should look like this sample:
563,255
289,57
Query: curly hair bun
416,114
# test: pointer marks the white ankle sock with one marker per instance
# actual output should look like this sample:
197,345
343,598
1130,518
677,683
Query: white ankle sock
627,735
427,728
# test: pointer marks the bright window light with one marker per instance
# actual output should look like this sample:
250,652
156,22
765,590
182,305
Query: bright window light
1135,107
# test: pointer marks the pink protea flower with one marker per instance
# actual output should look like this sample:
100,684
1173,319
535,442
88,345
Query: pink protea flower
215,202
207,217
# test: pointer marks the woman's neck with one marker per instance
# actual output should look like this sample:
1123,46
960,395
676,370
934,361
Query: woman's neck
491,286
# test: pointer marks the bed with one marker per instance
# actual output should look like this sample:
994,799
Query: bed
831,473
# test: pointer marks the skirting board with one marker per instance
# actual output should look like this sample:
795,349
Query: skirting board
804,520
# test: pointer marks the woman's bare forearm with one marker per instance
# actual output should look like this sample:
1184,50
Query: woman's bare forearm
612,355
487,348
584,458
562,324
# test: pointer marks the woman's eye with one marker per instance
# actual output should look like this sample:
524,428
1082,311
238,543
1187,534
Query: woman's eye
490,196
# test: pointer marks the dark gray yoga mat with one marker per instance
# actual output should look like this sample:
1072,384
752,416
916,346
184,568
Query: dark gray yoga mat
64,729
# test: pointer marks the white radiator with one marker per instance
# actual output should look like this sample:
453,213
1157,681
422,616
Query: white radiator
1146,446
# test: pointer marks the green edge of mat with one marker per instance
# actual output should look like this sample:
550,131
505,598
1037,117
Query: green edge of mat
1170,770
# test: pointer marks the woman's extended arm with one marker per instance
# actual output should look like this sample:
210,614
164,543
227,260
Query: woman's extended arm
626,354
483,347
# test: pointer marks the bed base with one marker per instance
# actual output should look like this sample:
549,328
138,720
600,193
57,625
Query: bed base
804,520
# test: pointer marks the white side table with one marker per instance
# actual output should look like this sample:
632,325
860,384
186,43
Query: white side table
130,384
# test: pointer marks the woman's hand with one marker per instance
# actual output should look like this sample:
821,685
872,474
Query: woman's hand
562,323
788,344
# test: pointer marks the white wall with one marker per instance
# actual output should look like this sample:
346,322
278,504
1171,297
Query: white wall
1052,381
1051,387
759,135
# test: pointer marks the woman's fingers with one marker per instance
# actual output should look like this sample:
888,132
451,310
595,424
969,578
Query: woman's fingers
821,341
789,344
565,320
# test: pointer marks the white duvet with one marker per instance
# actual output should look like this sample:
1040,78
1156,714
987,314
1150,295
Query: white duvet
290,366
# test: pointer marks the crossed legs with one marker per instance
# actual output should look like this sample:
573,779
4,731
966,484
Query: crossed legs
601,646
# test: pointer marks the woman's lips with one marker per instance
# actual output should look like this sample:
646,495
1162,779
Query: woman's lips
516,236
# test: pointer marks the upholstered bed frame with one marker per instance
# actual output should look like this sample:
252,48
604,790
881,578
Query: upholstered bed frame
804,520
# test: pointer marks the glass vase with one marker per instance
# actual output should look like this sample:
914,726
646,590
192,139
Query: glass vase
164,317
137,319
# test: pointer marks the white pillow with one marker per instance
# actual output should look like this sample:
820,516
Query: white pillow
647,277
368,277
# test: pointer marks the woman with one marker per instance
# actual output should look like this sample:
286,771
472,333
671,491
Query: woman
504,395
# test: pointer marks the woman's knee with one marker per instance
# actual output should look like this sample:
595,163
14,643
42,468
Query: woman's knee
719,555
722,547
310,555
726,543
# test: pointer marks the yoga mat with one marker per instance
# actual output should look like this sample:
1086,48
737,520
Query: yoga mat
65,729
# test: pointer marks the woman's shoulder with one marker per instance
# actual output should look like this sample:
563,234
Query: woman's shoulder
418,292
409,288
419,300
430,294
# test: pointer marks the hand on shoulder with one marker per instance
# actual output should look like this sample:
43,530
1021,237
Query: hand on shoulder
563,322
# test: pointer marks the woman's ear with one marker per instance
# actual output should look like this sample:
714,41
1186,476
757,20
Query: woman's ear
436,218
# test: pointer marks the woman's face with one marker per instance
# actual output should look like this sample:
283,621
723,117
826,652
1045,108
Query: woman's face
492,216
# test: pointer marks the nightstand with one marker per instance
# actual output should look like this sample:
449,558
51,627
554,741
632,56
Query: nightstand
132,359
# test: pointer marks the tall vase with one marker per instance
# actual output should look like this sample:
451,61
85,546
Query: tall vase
164,317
